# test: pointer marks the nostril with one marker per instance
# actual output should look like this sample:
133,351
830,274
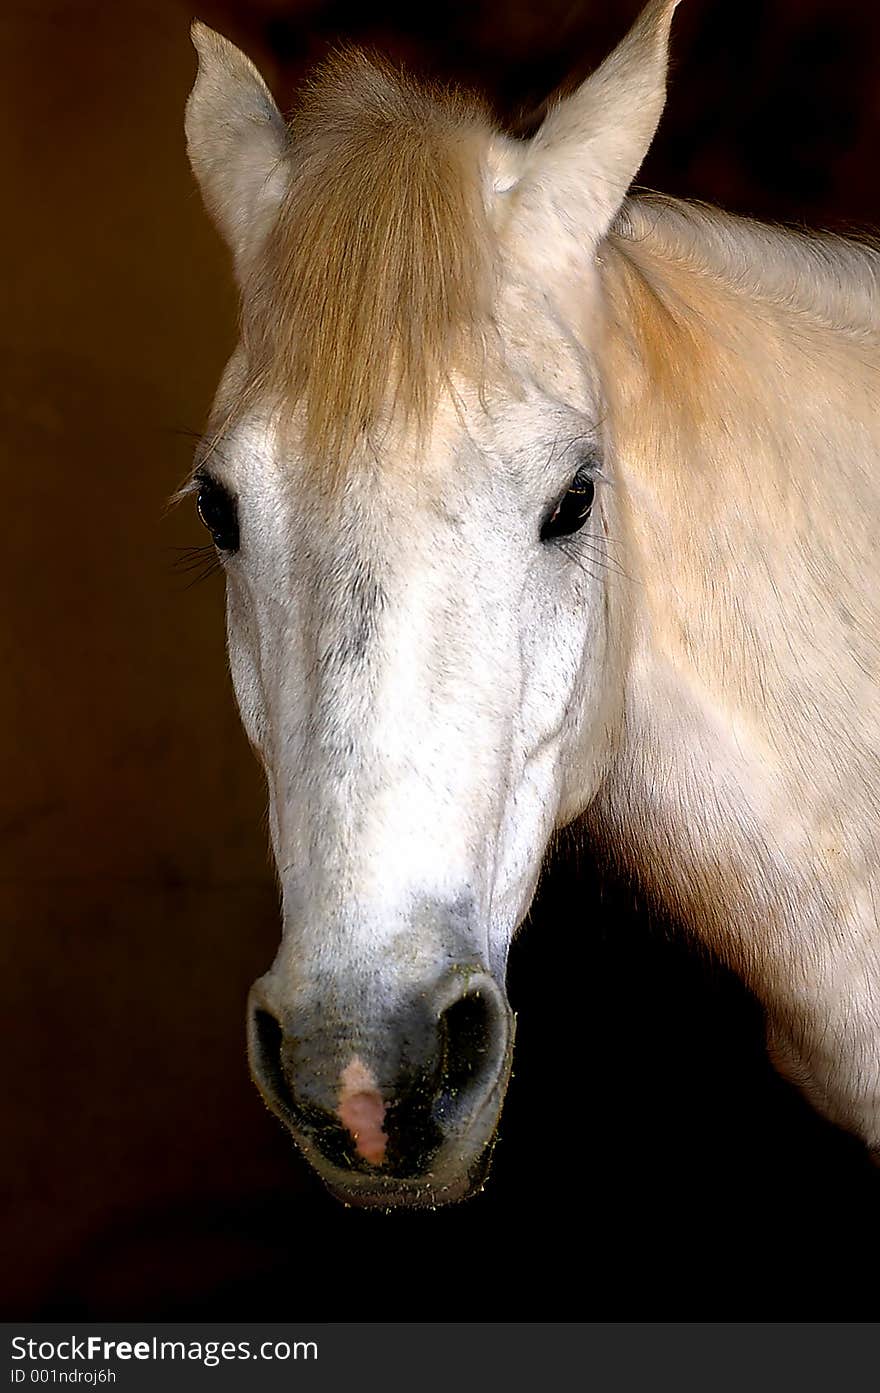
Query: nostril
267,1041
464,1039
470,1031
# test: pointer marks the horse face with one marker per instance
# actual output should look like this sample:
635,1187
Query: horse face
419,657
419,639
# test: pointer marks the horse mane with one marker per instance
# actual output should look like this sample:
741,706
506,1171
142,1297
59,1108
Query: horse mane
831,278
377,276
734,321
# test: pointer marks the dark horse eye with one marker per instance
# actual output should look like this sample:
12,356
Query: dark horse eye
572,510
218,511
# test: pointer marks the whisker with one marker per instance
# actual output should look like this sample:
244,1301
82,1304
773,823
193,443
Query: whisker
187,555
186,432
198,562
209,570
595,554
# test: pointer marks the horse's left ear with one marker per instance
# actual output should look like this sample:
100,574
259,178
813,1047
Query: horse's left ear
589,149
235,138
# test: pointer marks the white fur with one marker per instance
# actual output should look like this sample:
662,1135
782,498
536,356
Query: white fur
703,673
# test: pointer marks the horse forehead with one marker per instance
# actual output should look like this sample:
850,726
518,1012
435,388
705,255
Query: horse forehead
391,474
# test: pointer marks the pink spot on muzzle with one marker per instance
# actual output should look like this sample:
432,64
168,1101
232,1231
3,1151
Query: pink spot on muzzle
362,1111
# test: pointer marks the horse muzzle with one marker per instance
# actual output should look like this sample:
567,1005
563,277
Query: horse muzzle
391,1108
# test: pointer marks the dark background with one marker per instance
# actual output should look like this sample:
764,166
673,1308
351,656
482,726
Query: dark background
650,1163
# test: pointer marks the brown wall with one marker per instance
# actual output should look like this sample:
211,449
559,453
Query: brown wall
142,1175
137,898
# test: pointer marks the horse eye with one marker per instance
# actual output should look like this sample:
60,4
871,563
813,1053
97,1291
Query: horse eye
572,510
218,512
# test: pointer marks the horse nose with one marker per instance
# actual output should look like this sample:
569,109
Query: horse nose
387,1094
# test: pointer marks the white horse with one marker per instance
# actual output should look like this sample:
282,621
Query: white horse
536,502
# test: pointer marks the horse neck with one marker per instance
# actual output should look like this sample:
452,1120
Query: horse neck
745,435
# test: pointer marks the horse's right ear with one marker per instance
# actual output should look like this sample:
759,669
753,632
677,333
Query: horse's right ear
236,138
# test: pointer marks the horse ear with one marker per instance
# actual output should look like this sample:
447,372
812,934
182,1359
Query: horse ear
235,138
589,149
